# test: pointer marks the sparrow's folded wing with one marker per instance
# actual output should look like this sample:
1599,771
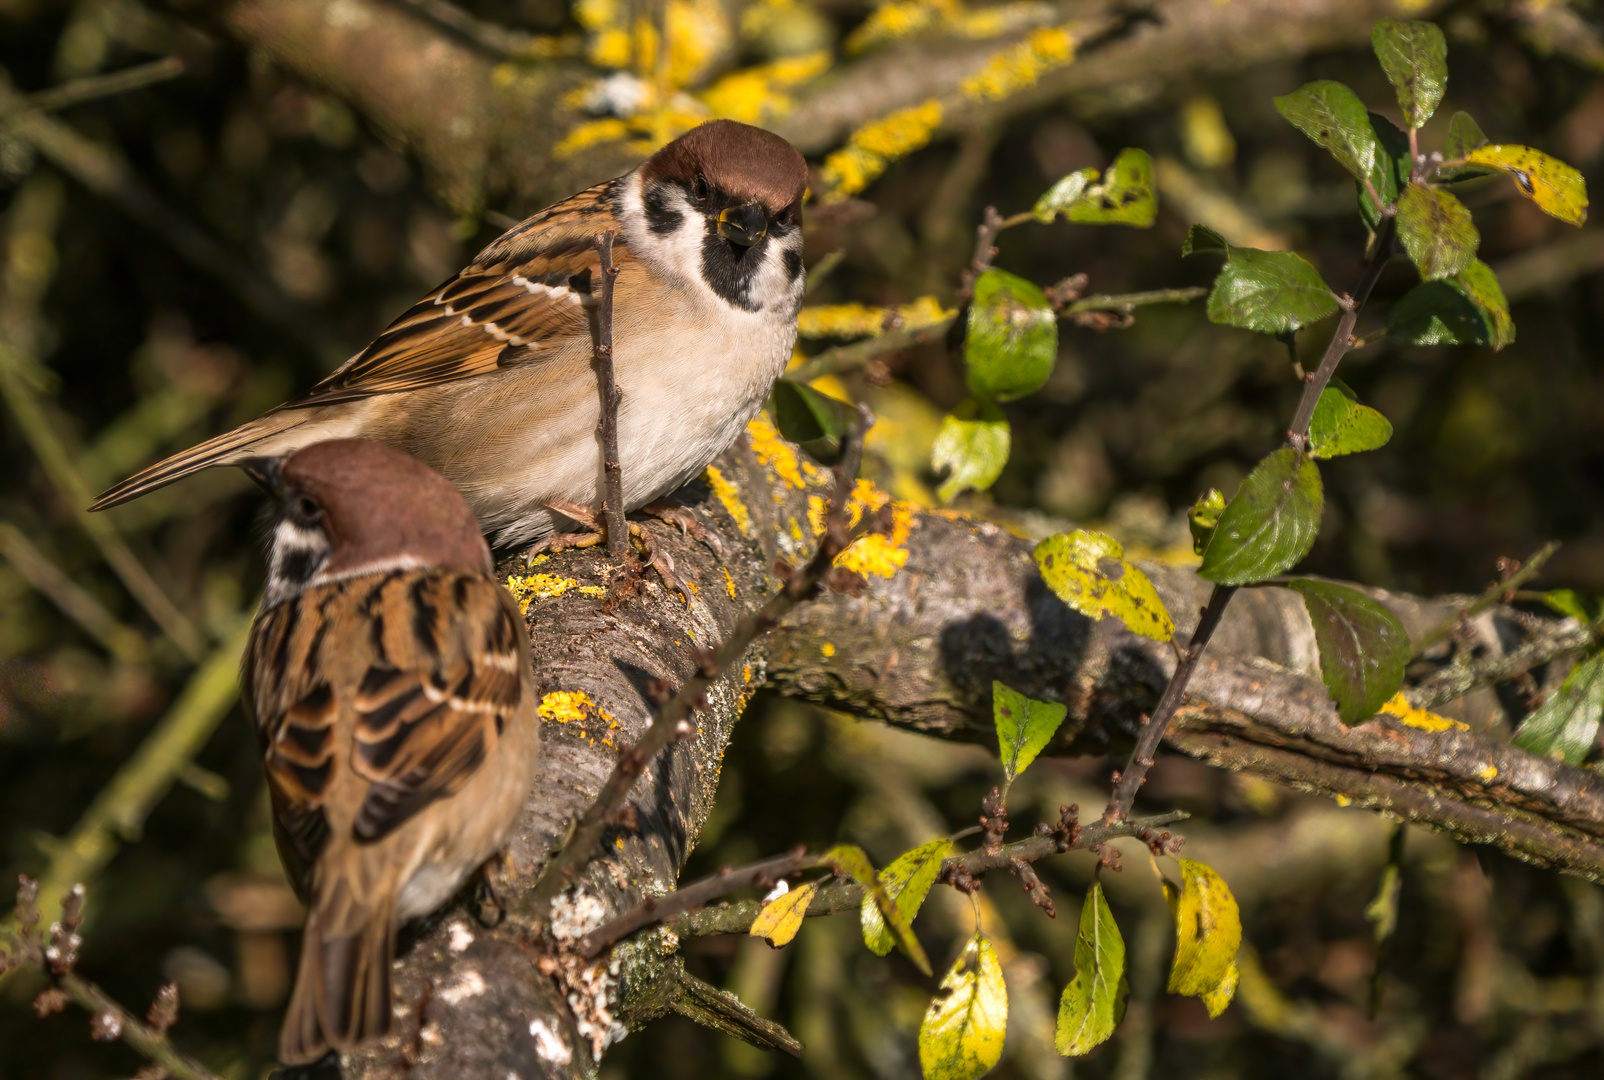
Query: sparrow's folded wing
525,296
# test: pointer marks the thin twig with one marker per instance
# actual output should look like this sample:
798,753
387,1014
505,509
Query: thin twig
991,223
123,642
491,37
99,86
1495,595
133,1031
1128,301
673,717
607,386
1460,678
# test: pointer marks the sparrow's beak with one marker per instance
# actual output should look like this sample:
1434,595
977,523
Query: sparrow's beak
264,472
743,225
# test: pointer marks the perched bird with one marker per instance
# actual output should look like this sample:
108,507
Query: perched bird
388,675
489,378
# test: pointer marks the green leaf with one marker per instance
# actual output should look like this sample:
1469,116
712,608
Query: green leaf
1436,231
1391,170
1125,196
961,1037
782,917
1334,117
1202,238
1565,726
1012,339
1571,603
1468,309
1343,426
906,880
1556,188
815,421
852,861
1272,292
973,444
1024,727
1208,932
1464,135
1062,195
1415,58
1094,1001
1363,647
1203,517
1089,572
1270,524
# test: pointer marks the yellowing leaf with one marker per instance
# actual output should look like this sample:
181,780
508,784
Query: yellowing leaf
1217,999
972,446
906,880
1094,1001
782,917
961,1037
1208,931
849,859
1556,188
1087,570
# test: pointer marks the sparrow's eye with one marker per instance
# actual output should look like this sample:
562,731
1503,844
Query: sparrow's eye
307,508
699,188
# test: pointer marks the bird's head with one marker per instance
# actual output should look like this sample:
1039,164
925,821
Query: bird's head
353,506
724,200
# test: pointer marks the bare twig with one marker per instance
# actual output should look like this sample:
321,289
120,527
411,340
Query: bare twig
99,86
991,223
673,717
607,386
1458,679
494,39
123,642
1495,595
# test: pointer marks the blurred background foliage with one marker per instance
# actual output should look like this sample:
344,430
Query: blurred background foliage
220,237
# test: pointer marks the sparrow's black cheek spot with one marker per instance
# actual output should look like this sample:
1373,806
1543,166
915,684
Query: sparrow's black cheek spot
793,264
661,218
729,269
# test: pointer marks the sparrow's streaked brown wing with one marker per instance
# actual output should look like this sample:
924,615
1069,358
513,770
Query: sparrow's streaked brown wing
526,295
439,680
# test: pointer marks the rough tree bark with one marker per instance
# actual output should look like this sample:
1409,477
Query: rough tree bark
952,603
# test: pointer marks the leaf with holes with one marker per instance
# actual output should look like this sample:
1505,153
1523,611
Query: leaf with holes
1467,309
1341,425
1062,195
1270,524
906,880
1208,932
1088,571
1024,728
1094,1001
1415,58
1124,197
972,447
851,861
961,1037
1363,646
1436,231
1334,117
1272,292
1556,188
1566,725
1012,339
782,917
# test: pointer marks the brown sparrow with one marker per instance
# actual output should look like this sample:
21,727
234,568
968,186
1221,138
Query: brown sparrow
489,378
388,675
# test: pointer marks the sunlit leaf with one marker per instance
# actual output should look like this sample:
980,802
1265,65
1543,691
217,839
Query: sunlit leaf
1571,603
1203,517
1063,194
782,917
1557,188
1272,292
1012,338
1125,196
852,861
973,446
1566,725
1217,999
1436,231
1094,1001
906,880
1208,931
1334,117
1415,58
1464,135
1088,571
1270,524
1341,425
1363,646
1024,727
961,1037
1467,309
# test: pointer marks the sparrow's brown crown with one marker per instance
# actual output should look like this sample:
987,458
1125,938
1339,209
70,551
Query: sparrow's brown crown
745,163
376,505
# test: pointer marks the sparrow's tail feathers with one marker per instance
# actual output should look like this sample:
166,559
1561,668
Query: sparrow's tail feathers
225,449
342,990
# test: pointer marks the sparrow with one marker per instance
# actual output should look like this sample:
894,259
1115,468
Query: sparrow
389,681
490,378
